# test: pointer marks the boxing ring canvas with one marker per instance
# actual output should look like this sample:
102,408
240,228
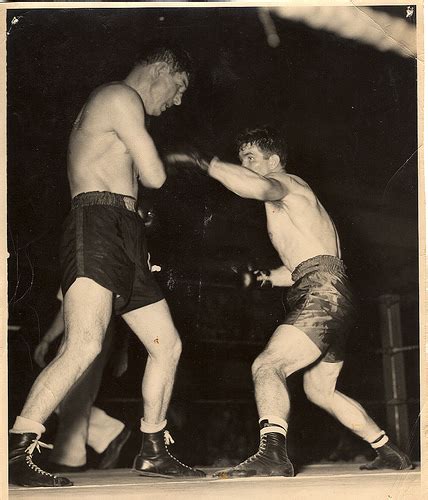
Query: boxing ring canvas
343,82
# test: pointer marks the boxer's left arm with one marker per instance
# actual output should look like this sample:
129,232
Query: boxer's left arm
127,116
246,183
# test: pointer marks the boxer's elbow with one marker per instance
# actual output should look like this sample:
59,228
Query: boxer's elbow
153,178
156,182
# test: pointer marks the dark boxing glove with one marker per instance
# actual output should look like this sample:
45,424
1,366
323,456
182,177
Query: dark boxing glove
256,279
189,157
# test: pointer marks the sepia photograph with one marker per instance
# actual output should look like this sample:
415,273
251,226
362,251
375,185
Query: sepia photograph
215,241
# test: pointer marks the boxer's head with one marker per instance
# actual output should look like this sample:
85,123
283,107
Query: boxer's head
161,77
262,150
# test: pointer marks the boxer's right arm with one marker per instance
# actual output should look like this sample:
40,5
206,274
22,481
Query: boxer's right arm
128,121
277,277
246,183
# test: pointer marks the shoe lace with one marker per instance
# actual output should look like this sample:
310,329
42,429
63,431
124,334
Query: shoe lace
169,440
36,444
260,451
36,468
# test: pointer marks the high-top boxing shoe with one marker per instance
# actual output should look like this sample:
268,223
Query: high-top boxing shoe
22,470
389,457
155,459
270,460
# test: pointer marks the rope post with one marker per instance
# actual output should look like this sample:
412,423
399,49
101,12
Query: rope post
394,369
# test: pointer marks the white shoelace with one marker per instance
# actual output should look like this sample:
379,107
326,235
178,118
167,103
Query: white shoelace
36,468
168,438
168,441
35,445
256,455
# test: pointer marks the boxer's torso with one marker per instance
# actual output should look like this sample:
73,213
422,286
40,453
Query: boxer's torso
299,226
97,159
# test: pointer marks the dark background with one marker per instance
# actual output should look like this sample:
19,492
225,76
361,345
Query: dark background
349,113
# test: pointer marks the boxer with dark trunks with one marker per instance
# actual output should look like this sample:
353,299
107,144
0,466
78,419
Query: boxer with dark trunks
313,334
105,267
104,239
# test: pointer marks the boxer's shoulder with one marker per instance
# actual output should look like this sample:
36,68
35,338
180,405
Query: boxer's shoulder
110,101
115,92
291,183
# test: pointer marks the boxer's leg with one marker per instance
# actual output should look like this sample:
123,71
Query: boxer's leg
74,412
87,311
319,383
288,350
153,325
155,328
320,387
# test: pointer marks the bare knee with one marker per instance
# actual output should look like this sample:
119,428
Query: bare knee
316,394
166,352
266,365
288,351
82,353
282,363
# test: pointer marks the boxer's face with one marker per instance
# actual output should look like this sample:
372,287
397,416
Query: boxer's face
167,90
252,158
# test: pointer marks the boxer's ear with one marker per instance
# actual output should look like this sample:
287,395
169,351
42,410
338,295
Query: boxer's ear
274,161
160,68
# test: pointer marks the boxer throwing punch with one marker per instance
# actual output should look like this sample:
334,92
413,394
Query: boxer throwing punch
321,304
104,263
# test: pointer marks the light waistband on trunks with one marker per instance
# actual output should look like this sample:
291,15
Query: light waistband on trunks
104,198
328,263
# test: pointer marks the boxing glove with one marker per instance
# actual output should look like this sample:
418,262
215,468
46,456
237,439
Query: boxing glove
256,279
189,157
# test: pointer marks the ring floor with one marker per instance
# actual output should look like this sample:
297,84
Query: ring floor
326,481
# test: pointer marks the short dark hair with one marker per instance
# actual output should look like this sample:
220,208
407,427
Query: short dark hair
267,139
177,59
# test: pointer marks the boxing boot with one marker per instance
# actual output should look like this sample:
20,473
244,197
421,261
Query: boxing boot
270,460
22,470
389,457
155,459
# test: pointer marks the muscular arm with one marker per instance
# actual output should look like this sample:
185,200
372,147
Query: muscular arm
245,182
128,121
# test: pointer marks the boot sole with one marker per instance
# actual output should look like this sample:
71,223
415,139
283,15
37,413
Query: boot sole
225,476
158,474
409,467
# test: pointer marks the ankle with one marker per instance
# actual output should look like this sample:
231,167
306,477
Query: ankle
150,428
24,425
380,441
272,423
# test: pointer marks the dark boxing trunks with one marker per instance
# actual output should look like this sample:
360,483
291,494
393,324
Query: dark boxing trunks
104,239
321,304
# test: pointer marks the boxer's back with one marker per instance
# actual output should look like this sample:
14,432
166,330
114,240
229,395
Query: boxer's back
97,159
